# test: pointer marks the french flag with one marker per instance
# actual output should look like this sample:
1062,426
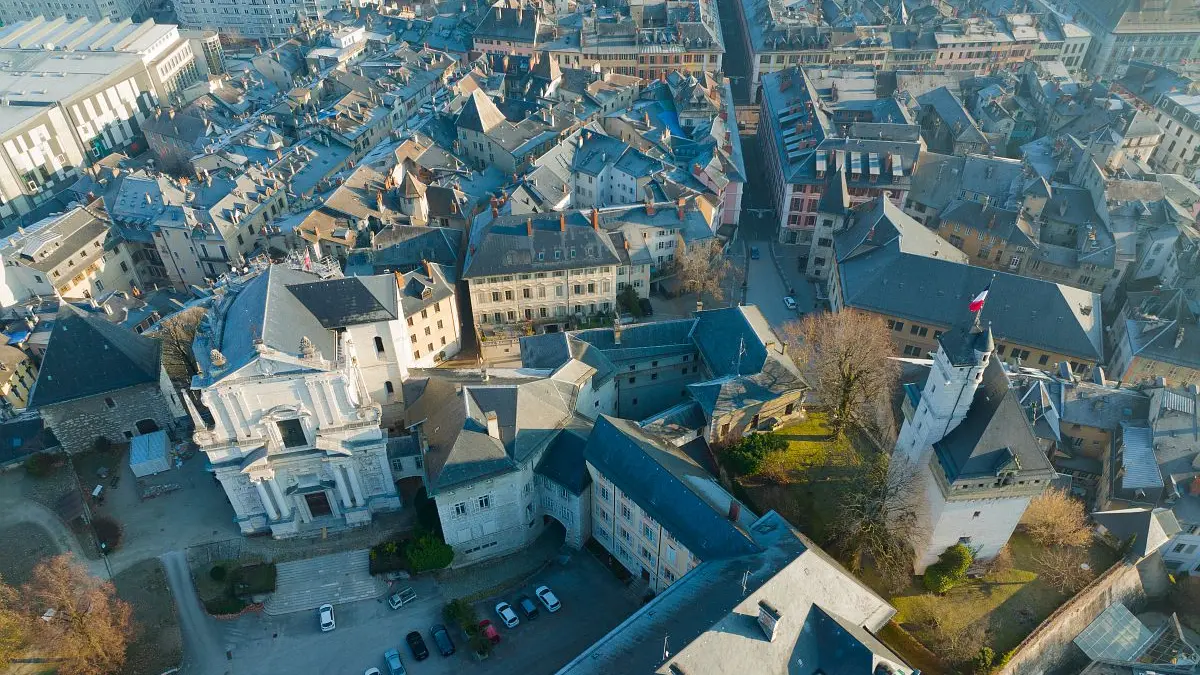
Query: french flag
977,303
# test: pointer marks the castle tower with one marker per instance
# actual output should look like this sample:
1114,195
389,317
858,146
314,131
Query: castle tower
957,371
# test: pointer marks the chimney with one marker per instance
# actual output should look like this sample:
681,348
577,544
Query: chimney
768,619
495,212
595,219
529,227
562,221
493,424
617,333
428,268
650,210
679,204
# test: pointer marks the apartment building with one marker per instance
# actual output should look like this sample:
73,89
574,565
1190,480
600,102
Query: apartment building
1165,31
94,10
655,508
544,270
891,266
253,20
74,255
1178,114
17,376
62,110
820,126
1154,336
430,308
487,138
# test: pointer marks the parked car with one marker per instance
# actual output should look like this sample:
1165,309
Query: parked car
789,302
441,638
372,671
489,631
325,615
394,664
548,598
754,253
402,597
507,615
416,644
647,308
527,607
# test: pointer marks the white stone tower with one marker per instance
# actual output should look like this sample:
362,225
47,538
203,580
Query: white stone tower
957,371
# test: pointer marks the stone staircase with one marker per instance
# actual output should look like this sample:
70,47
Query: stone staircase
307,584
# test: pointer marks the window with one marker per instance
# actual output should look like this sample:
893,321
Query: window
387,386
292,433
647,532
670,555
625,512
110,403
1043,360
604,493
460,509
484,502
379,343
976,514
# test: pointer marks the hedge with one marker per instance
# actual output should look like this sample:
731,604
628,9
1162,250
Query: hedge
253,579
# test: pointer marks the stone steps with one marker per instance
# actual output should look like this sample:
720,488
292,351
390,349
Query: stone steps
307,584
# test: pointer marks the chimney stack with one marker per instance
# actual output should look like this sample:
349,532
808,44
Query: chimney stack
562,221
493,424
428,268
595,219
529,227
650,210
679,208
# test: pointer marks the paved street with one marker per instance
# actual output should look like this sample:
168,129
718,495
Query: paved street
593,600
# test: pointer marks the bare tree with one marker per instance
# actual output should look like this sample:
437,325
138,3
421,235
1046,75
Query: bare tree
702,268
91,625
846,355
176,333
1064,568
14,625
876,520
1055,518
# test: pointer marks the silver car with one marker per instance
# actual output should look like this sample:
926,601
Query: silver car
507,615
325,615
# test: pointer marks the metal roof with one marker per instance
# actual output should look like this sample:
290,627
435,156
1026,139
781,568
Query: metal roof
1137,458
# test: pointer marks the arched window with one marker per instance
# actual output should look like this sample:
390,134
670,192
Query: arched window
378,344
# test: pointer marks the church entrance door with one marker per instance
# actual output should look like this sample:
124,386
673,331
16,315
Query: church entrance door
318,504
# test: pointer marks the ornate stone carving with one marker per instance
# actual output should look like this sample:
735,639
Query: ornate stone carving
217,358
307,349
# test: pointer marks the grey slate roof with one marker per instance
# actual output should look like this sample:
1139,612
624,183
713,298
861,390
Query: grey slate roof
349,301
506,246
899,276
994,432
657,478
89,356
953,112
453,418
563,461
413,296
1151,529
479,113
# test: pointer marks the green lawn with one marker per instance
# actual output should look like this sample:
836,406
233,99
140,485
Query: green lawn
1009,604
805,478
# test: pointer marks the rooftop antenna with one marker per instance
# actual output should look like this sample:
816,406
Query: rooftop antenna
741,352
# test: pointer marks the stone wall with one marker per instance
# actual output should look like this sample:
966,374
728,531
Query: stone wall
78,423
1050,646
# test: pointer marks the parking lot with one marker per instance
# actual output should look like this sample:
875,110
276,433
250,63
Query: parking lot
593,602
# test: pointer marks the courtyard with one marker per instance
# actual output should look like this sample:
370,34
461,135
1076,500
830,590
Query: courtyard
593,603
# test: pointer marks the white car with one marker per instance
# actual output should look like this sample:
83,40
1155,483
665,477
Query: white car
789,302
325,613
371,671
547,598
507,615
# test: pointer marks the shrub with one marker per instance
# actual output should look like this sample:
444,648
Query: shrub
460,613
387,557
218,573
748,454
950,569
480,644
224,605
984,660
108,533
253,579
428,552
41,464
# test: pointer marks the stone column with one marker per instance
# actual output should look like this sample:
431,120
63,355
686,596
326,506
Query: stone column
355,485
282,498
266,500
341,485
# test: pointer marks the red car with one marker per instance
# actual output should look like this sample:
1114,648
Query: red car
489,631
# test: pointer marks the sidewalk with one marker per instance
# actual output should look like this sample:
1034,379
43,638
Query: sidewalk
494,575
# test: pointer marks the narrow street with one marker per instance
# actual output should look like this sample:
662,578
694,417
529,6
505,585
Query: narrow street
203,652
